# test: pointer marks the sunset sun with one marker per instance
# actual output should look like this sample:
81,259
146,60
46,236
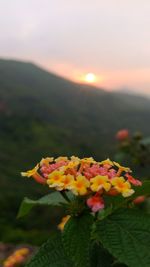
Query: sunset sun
90,77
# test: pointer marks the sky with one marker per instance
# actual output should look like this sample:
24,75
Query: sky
109,38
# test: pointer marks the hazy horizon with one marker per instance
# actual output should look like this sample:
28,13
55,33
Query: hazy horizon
73,38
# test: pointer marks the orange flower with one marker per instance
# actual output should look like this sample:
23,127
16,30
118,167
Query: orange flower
122,186
63,222
66,181
99,182
31,172
55,179
80,185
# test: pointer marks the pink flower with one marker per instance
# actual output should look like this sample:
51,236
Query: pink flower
103,171
95,170
92,171
112,173
96,203
133,181
46,170
122,135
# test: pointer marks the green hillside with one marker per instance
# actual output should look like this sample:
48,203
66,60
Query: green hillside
31,95
43,114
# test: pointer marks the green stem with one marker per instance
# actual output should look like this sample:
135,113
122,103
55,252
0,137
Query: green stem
65,196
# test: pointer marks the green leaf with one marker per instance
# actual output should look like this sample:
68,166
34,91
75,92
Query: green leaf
53,199
112,204
100,257
25,207
126,235
76,239
51,254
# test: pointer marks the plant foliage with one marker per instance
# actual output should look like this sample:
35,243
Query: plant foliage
126,235
52,199
76,239
51,254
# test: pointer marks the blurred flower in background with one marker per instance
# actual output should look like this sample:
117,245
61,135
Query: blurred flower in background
17,258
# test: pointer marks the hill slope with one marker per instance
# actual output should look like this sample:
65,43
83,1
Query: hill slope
42,114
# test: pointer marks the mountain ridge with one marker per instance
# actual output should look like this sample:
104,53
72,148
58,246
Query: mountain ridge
88,115
49,75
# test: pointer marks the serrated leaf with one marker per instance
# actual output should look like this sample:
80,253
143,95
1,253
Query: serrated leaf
126,235
76,239
51,254
53,199
112,204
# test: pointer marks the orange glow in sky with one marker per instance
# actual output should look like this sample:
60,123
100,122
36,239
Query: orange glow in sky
106,79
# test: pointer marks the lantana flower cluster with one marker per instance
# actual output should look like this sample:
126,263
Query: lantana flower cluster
85,177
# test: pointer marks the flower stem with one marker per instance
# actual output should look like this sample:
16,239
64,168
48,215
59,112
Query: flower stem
64,196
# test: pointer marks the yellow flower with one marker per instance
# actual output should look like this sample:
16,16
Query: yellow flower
67,181
106,161
61,159
63,222
88,160
31,172
80,185
46,161
72,164
122,186
121,168
99,182
55,179
22,251
76,159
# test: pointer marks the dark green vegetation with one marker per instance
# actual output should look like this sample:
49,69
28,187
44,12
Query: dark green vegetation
119,236
42,114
